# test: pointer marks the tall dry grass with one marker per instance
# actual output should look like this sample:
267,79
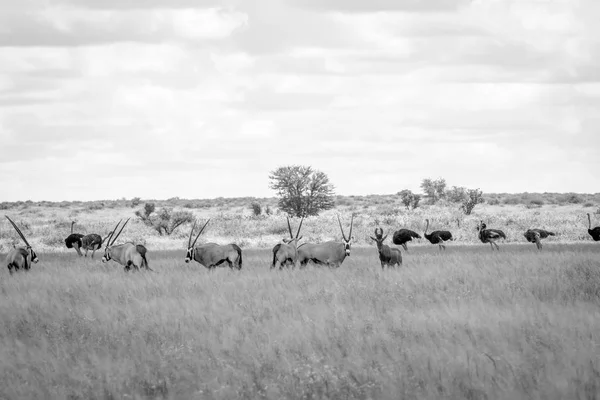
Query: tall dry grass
465,323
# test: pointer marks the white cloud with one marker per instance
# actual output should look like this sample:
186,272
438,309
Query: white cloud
150,96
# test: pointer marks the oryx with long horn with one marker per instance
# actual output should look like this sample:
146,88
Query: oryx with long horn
287,252
22,256
329,253
211,255
91,241
389,256
127,254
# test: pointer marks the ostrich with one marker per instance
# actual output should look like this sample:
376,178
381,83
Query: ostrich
437,237
402,236
595,232
536,236
88,242
490,235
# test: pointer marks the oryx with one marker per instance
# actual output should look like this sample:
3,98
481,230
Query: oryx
20,257
389,256
212,255
87,242
287,252
126,254
329,253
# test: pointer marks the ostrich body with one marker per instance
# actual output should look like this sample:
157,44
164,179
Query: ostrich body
437,237
594,232
536,235
402,236
78,241
490,235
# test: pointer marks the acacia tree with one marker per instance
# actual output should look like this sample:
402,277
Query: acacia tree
165,220
302,190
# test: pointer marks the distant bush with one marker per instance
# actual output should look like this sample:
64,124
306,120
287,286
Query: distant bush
409,199
135,202
493,202
589,204
95,206
570,198
510,200
256,208
165,220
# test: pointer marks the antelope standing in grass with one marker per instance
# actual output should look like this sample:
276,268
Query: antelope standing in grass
127,254
490,235
437,237
212,255
536,236
88,242
329,253
387,255
287,252
20,257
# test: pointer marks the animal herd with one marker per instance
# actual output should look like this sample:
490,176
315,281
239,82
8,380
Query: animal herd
286,253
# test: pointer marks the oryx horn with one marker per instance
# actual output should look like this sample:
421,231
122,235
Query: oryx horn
201,230
299,226
18,230
117,235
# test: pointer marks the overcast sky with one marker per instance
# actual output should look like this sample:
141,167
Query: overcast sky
103,99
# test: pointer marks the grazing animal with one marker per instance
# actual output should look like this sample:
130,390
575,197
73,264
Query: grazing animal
20,257
287,252
127,254
490,235
437,237
212,255
594,232
402,236
387,255
536,236
88,242
329,253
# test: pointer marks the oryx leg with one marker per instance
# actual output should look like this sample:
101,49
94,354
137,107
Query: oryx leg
405,247
497,247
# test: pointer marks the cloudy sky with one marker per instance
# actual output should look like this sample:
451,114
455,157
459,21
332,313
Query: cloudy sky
103,99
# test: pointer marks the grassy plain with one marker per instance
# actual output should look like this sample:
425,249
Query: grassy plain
465,323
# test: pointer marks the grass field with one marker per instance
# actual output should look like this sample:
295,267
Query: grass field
465,323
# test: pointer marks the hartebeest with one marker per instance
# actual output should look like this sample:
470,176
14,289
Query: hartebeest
212,255
329,253
20,257
387,255
287,252
127,254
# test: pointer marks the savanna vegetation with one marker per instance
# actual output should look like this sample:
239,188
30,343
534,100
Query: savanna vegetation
464,323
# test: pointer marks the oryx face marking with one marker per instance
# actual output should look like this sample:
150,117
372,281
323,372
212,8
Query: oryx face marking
346,241
33,256
189,256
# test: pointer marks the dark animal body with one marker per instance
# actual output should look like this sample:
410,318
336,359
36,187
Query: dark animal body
438,237
536,235
490,235
20,257
88,242
402,236
387,256
212,255
594,232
